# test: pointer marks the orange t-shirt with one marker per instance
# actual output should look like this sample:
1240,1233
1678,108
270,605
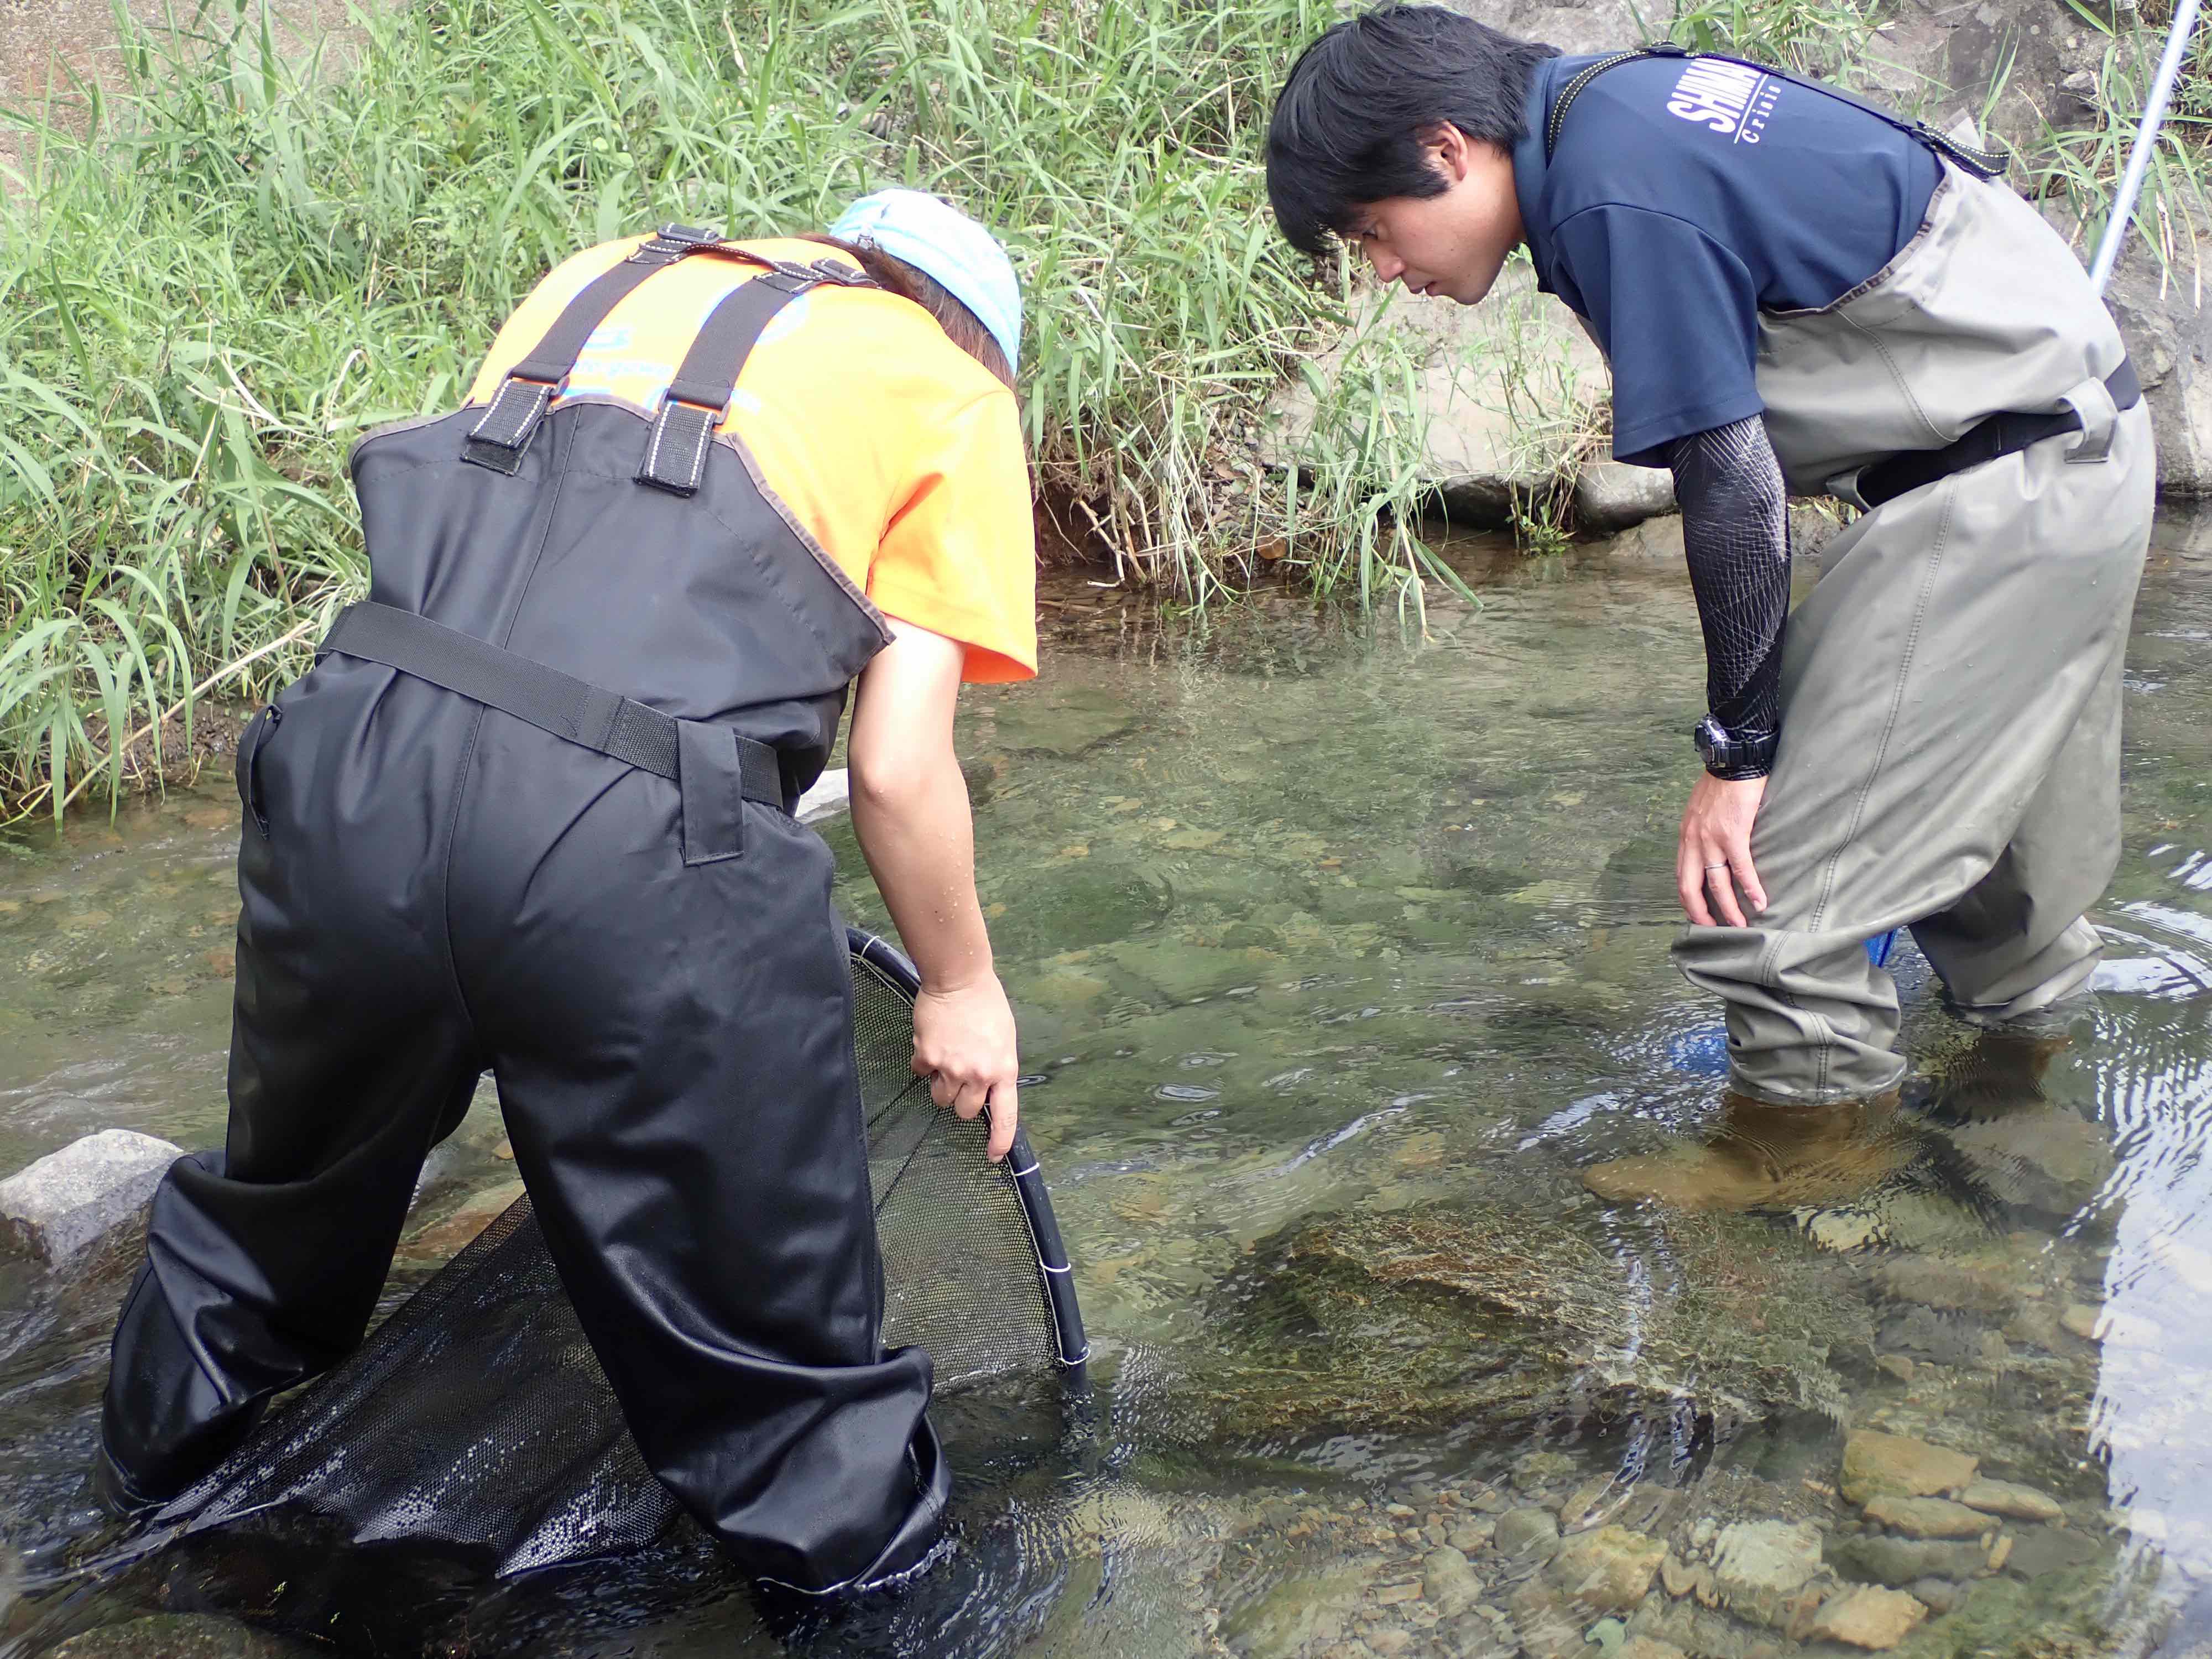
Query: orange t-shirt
899,453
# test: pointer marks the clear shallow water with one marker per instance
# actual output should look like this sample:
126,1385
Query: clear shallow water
1343,957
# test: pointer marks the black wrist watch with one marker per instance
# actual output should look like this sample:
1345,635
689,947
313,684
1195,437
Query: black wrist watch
1734,754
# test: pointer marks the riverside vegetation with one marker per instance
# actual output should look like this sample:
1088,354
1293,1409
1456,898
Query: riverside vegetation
220,267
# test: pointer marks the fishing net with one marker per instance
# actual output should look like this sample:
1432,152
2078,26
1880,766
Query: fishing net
477,1417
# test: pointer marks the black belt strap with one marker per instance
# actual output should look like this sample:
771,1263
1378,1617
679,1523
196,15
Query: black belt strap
613,724
1998,435
1982,163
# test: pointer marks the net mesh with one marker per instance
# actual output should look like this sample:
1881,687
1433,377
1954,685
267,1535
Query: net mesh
477,1417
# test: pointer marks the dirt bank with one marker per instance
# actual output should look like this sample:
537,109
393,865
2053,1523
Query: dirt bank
48,47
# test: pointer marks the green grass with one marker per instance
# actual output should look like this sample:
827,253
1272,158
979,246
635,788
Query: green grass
2079,163
229,265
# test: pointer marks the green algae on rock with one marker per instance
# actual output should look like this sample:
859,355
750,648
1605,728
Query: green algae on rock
1503,1312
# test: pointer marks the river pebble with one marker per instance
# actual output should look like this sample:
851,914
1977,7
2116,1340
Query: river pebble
1877,1465
1876,1619
1927,1518
2015,1503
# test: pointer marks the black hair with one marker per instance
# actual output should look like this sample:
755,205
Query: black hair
1348,130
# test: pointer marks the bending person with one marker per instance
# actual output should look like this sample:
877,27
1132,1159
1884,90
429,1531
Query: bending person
1797,292
529,814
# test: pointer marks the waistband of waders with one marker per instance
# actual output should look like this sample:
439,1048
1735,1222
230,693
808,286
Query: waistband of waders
713,766
1998,435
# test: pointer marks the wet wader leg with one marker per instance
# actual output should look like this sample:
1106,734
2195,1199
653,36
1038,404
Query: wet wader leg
2018,944
1932,683
674,1053
349,1061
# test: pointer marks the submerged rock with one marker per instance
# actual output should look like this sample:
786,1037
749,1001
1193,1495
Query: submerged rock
1876,1619
1878,1465
1928,1518
183,1636
1871,1558
1760,1566
1504,1312
1449,1583
1609,1569
1528,1532
2015,1503
69,1200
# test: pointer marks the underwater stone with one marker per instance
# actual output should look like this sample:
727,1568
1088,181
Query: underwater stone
1449,1583
1876,1619
1869,1557
1649,1647
1759,1567
1948,1286
1527,1531
182,1636
69,1200
1470,1536
2039,1551
1877,1465
1928,1518
1608,1570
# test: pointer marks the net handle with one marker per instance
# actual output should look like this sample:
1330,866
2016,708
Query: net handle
1056,1277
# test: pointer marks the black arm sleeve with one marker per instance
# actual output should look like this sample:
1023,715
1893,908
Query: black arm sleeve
1735,533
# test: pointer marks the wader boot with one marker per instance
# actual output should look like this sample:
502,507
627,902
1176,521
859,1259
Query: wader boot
1949,756
529,813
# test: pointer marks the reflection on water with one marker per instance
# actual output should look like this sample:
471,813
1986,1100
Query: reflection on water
1341,959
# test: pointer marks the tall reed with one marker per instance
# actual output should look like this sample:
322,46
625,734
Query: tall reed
227,264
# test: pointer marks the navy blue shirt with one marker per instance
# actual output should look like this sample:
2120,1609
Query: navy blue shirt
1687,195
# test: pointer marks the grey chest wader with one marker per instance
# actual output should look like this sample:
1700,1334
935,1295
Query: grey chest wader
1949,756
528,814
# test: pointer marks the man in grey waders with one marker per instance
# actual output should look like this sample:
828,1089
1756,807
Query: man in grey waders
1797,293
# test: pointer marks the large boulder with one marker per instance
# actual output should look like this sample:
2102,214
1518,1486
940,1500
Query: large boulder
69,1200
1501,1311
1508,391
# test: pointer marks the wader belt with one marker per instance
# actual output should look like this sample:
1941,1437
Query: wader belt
1999,435
499,438
691,754
1982,163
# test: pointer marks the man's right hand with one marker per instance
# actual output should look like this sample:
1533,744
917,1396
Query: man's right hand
965,1036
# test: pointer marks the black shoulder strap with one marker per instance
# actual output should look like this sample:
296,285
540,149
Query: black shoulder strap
1982,163
698,398
499,440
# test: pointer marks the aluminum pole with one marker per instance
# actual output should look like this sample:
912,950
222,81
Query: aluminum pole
2161,90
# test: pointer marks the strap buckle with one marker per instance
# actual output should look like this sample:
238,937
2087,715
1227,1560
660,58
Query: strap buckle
672,242
498,439
1844,487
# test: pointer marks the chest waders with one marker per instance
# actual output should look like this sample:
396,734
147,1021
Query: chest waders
1949,756
528,815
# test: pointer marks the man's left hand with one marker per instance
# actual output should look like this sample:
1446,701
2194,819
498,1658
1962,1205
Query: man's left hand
1714,859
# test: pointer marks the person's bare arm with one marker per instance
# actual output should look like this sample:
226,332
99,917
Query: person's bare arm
910,812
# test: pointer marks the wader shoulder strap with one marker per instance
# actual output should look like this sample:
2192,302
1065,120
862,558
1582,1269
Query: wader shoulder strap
499,439
698,398
1982,163
613,724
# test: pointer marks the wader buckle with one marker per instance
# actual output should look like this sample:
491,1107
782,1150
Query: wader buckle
676,454
671,242
498,439
1844,487
2092,403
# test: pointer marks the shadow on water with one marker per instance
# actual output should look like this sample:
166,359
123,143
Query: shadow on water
1342,960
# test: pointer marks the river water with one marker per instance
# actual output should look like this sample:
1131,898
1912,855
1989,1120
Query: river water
1341,958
